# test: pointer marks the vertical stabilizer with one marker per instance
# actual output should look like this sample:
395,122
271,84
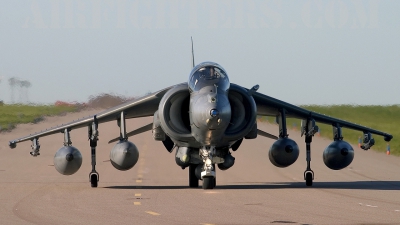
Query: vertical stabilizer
192,53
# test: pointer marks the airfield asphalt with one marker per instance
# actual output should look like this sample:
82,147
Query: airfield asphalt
156,190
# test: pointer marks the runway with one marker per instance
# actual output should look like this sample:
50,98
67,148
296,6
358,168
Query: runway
156,190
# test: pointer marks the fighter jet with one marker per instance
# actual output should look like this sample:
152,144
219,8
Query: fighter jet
203,120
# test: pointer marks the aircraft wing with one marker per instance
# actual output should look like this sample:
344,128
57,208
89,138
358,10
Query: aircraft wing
141,107
268,106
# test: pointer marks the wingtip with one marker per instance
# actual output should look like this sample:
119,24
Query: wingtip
388,138
12,144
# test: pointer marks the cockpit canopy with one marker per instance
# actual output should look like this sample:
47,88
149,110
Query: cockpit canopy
208,74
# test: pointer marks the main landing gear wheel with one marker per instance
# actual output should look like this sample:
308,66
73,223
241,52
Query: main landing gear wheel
309,179
193,180
93,180
215,181
208,182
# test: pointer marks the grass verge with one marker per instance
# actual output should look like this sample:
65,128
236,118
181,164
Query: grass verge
11,115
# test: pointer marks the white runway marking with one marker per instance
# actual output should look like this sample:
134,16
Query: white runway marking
152,213
372,206
211,192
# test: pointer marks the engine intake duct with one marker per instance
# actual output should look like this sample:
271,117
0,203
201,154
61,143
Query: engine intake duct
173,115
243,117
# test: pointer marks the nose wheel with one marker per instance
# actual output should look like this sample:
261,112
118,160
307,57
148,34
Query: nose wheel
208,173
209,182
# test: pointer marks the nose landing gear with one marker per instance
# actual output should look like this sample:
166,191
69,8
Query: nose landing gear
208,173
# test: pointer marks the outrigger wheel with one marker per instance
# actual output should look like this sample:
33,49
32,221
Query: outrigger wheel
309,178
94,180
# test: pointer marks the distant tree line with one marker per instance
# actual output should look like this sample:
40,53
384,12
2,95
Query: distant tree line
22,87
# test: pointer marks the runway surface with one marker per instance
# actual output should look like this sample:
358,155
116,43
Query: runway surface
156,190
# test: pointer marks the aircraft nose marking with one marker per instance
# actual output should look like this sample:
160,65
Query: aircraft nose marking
214,112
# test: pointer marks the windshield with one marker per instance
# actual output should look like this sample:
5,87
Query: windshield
209,75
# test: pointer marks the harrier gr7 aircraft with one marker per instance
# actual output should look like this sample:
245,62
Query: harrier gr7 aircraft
203,120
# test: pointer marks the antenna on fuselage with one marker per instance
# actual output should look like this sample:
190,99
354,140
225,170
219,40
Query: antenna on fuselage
192,53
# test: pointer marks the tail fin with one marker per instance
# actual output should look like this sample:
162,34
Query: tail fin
192,53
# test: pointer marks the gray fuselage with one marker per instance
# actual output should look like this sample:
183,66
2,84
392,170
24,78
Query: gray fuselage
209,108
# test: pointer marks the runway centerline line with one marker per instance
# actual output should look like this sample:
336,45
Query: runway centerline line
152,213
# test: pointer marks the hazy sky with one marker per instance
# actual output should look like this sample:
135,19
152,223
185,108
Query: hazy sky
302,52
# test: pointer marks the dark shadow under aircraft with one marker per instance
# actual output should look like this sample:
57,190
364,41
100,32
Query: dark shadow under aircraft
203,120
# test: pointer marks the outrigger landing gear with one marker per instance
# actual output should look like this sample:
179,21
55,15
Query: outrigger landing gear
93,138
208,173
308,129
308,174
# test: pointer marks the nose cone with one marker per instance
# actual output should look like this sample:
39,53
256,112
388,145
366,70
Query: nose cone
210,116
217,114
